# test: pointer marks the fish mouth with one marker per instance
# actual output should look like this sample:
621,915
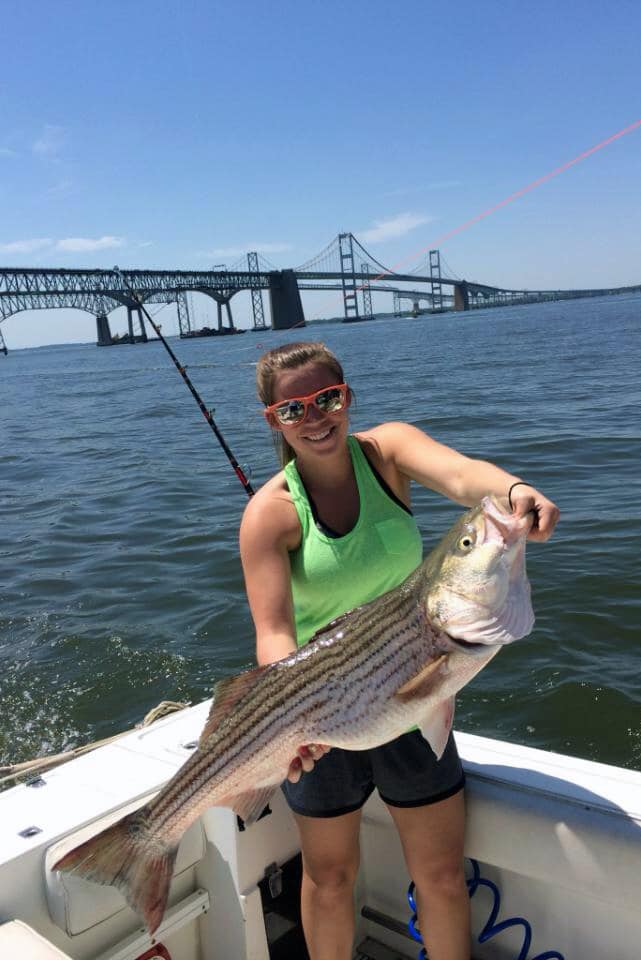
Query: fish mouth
450,644
502,525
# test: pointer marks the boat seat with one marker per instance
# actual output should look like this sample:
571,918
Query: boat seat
19,942
75,904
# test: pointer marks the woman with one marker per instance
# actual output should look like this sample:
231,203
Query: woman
330,531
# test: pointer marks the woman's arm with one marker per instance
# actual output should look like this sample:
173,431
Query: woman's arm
266,531
269,529
463,479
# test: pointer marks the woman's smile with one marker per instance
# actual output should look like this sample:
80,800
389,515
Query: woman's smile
319,435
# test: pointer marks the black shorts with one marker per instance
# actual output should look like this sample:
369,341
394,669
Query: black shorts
405,772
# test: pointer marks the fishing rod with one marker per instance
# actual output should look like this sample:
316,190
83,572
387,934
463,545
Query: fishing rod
249,490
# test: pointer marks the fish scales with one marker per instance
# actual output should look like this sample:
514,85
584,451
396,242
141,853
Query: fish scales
289,695
398,614
363,680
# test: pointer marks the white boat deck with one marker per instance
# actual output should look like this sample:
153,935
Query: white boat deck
561,837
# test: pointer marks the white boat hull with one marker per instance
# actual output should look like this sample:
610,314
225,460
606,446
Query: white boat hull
560,838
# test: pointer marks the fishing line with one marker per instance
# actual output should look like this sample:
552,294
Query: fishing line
387,272
183,373
515,196
507,200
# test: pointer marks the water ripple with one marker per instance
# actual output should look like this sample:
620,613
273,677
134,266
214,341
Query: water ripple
120,583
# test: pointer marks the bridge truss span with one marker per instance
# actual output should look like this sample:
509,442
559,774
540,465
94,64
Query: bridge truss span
100,292
62,282
343,265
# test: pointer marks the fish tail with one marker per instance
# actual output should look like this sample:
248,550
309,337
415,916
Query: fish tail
127,856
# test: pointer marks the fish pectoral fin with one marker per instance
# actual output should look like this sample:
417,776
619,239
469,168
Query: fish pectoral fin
421,684
437,722
436,726
227,693
249,805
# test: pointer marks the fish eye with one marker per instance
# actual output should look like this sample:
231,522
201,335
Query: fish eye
466,542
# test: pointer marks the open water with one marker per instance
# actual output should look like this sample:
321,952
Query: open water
120,583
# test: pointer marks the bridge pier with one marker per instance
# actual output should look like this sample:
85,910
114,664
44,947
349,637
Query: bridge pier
103,331
220,303
133,337
284,300
461,296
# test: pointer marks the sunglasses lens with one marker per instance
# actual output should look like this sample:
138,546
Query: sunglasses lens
331,401
291,412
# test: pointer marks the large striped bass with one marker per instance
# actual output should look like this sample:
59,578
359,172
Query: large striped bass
363,680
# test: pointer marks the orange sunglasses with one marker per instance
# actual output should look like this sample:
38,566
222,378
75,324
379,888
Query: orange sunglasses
290,413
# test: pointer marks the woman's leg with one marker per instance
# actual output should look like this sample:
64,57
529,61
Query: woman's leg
432,839
330,863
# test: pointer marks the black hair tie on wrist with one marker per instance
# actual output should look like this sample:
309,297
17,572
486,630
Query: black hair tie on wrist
519,483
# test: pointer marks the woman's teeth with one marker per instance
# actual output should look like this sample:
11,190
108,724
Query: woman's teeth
319,436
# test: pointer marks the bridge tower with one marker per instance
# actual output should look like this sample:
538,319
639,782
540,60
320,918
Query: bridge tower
184,320
435,274
3,346
397,304
348,278
368,313
256,292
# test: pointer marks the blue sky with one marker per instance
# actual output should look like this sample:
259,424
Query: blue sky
181,134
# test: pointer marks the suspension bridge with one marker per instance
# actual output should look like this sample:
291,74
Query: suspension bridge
344,267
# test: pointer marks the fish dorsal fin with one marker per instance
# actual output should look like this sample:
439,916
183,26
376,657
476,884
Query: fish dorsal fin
227,693
334,624
422,683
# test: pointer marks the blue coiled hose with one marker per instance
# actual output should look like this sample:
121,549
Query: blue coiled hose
491,928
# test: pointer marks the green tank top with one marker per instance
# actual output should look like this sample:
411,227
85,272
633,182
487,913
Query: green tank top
331,575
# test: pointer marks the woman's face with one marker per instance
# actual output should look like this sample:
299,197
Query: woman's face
319,433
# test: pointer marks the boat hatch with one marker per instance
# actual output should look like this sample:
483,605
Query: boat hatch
76,905
17,939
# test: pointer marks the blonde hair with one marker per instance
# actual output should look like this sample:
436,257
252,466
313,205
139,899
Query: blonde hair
289,357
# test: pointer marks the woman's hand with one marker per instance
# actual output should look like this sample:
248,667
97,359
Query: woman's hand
305,759
545,512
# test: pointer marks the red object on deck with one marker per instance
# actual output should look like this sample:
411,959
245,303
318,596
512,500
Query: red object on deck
159,952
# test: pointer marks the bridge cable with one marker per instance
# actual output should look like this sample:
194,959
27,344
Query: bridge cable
450,273
183,373
264,261
369,256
